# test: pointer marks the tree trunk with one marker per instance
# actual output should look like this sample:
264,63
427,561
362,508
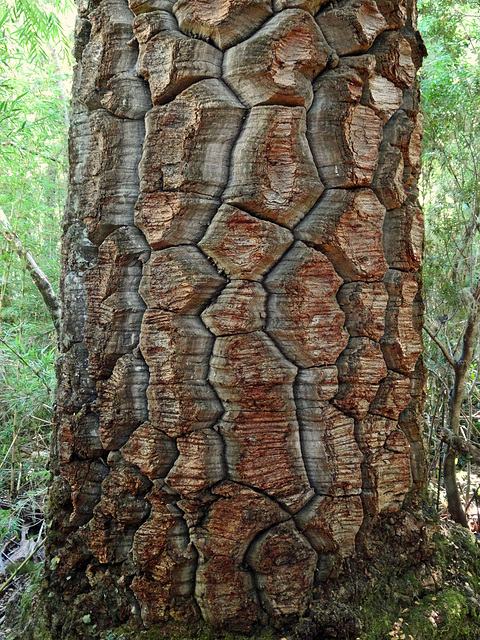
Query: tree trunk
240,388
458,393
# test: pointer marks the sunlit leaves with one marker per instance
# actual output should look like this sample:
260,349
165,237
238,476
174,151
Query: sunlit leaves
451,177
31,27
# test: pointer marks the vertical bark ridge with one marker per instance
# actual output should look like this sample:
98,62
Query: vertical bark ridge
254,310
382,438
112,501
227,243
197,474
177,266
322,229
248,201
115,361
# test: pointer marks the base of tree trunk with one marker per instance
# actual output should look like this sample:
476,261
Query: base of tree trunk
423,585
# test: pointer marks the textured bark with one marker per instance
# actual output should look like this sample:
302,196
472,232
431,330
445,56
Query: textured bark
278,63
344,140
240,389
170,60
342,225
303,288
352,26
273,174
225,22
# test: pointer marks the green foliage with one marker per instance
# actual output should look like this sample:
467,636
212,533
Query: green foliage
34,85
10,526
31,27
451,176
450,190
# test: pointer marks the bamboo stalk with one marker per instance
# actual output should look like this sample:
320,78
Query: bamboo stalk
18,569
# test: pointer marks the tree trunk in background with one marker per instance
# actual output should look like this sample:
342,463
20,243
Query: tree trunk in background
240,388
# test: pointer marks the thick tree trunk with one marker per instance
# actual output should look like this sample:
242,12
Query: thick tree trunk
240,386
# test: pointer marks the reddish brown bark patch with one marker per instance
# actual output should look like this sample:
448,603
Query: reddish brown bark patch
179,279
331,523
240,308
196,132
171,62
200,463
273,174
225,589
402,343
352,26
364,305
360,368
347,226
303,314
173,218
161,549
243,246
387,460
279,557
344,138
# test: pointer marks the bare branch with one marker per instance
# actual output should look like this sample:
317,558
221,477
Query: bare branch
442,347
39,278
460,445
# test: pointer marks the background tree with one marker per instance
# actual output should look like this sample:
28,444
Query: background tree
451,192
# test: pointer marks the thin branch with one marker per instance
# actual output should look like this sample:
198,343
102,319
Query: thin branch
460,445
12,444
38,276
442,348
17,571
440,379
